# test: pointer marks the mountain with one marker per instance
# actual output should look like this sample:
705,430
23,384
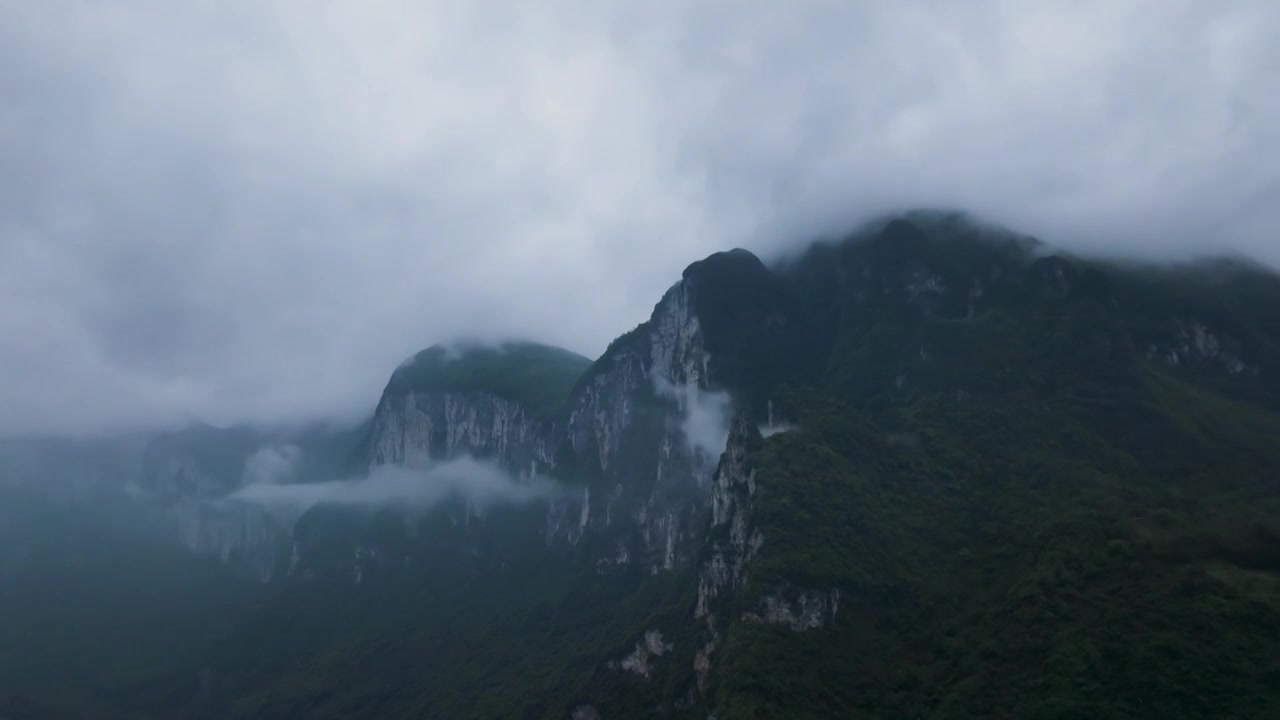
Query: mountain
933,469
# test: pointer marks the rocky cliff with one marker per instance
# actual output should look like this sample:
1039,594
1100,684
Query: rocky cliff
637,435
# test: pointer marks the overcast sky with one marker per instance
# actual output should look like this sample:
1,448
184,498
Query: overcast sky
252,211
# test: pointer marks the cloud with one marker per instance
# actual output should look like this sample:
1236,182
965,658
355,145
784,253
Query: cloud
774,424
272,465
771,429
704,417
481,483
253,210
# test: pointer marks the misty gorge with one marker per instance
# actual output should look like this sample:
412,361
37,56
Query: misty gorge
599,361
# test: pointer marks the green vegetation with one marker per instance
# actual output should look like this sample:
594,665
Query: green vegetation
539,377
1027,515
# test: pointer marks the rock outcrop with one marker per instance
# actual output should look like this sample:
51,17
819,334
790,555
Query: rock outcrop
414,428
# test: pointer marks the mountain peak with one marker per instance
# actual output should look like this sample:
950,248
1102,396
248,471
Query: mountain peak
536,375
730,266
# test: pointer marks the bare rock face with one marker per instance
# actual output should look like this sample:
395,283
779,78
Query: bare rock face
648,397
735,539
664,355
732,502
647,391
240,535
416,428
677,355
648,649
799,610
639,435
1195,344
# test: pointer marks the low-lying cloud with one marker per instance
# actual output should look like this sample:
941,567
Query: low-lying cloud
272,465
774,424
771,429
480,483
705,416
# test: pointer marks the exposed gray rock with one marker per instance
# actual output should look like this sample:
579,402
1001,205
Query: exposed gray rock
649,647
238,534
799,610
676,344
601,409
733,496
923,282
733,492
1195,344
663,369
413,429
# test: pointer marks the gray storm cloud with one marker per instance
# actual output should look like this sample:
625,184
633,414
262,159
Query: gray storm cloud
482,484
252,210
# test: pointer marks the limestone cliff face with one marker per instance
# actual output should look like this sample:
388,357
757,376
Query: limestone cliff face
496,402
662,356
735,540
677,352
240,535
635,401
638,435
186,475
601,407
415,428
